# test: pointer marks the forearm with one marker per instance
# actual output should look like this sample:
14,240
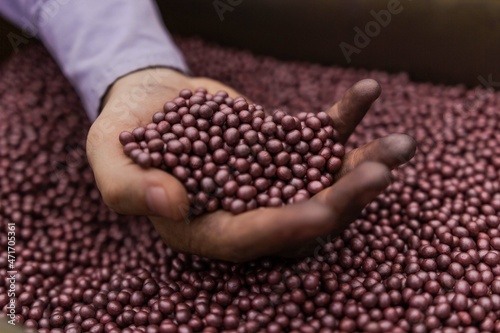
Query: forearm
95,42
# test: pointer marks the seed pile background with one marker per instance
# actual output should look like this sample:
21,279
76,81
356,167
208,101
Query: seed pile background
424,255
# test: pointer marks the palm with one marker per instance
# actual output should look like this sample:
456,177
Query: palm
255,233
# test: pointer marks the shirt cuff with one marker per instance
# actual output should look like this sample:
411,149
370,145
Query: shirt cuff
92,89
95,42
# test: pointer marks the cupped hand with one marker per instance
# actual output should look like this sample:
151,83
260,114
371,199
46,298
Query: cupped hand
130,189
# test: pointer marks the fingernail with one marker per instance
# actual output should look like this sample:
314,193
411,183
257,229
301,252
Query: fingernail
157,201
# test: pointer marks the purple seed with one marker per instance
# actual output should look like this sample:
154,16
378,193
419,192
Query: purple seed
302,148
200,148
268,128
334,164
206,111
156,145
175,147
242,150
129,147
246,192
144,160
317,162
255,170
264,158
238,206
313,123
215,142
126,137
293,137
192,133
314,187
231,136
282,159
284,173
274,146
288,123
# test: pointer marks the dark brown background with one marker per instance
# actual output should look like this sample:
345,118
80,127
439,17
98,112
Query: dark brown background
447,41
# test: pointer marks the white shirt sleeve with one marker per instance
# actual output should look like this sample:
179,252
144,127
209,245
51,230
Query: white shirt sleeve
97,41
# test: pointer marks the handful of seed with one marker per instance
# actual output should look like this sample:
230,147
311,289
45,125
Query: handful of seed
230,155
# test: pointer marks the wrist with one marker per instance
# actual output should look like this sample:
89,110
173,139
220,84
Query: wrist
149,81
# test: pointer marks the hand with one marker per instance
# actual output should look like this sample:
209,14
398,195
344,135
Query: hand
129,189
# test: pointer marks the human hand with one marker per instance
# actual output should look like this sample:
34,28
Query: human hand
130,189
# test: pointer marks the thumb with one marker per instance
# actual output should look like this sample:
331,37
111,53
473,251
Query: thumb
135,191
129,189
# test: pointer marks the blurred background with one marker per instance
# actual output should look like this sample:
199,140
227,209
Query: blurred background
447,41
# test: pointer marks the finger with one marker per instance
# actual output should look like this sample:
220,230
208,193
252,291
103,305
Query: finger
348,112
267,231
348,196
345,200
392,151
129,189
246,236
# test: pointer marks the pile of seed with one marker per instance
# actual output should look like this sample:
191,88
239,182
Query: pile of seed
230,155
423,257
